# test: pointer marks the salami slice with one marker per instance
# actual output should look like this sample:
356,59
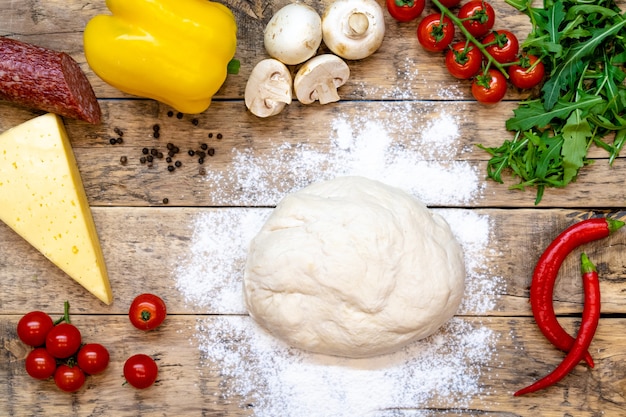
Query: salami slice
47,80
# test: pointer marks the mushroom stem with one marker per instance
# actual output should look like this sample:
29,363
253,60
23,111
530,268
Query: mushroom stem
358,23
326,92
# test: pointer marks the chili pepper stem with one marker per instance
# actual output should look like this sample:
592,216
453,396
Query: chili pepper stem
614,225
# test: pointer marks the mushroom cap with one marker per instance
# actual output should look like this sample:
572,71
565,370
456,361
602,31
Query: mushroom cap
293,34
268,89
319,78
353,29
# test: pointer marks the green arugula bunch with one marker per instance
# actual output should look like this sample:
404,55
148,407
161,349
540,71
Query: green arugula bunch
582,44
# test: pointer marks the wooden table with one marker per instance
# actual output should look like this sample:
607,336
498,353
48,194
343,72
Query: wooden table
156,247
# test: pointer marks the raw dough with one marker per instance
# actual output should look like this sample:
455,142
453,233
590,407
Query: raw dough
353,267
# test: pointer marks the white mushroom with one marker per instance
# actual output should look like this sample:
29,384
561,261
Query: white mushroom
353,29
319,78
268,89
293,34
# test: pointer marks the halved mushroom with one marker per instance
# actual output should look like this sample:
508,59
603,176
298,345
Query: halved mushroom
353,29
268,89
319,78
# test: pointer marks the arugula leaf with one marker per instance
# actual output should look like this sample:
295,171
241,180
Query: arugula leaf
575,134
556,15
533,112
564,75
583,99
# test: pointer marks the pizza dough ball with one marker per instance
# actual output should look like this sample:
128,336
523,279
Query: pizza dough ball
352,267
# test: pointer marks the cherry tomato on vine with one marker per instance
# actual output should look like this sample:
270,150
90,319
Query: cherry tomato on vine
478,17
93,358
528,73
434,34
463,60
147,311
63,340
489,87
140,371
405,10
502,45
33,328
69,378
40,364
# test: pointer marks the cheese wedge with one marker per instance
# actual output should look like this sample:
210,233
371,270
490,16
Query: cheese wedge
42,198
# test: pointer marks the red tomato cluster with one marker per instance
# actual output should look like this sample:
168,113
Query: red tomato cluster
59,351
489,57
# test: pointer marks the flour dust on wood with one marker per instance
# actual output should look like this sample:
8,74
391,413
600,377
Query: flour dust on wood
273,379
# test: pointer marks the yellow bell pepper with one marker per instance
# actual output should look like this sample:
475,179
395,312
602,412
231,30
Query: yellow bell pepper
173,51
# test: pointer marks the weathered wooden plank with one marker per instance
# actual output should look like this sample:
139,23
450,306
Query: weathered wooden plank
170,251
410,140
512,354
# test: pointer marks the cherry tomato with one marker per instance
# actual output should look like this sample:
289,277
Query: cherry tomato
502,45
69,378
463,60
489,87
450,3
147,311
434,34
405,10
63,340
93,358
140,371
478,17
527,74
40,364
33,328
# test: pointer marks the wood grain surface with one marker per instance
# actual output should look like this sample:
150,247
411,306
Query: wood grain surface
145,240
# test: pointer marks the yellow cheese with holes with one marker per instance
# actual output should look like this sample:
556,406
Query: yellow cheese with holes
42,198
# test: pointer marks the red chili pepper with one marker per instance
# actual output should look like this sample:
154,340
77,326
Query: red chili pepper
588,326
546,271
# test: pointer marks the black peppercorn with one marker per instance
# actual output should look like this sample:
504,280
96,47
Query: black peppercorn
145,151
166,200
170,113
211,151
178,164
219,136
123,160
142,159
204,146
201,161
170,168
191,152
179,115
195,122
112,141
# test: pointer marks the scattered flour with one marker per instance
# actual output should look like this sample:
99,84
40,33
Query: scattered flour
274,380
423,162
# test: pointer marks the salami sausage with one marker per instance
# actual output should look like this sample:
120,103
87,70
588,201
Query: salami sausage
47,80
